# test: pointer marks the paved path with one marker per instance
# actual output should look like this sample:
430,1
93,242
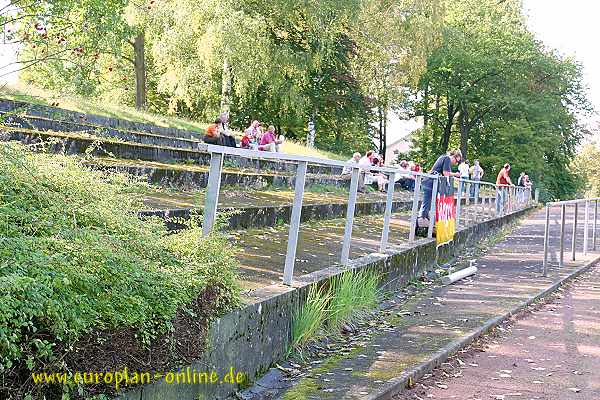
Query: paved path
418,327
551,352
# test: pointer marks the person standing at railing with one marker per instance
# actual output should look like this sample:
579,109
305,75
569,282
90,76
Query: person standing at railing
502,191
464,168
476,175
442,167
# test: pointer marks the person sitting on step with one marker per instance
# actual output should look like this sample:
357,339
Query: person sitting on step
213,133
268,141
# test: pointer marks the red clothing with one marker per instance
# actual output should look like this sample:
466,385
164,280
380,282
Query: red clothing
211,131
503,177
245,143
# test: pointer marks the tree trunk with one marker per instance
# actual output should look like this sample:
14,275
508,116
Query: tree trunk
445,140
226,88
464,130
384,133
140,72
426,105
312,131
380,115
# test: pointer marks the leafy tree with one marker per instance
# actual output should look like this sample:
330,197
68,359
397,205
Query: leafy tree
498,94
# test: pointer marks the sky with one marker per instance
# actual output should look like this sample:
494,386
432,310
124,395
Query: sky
573,28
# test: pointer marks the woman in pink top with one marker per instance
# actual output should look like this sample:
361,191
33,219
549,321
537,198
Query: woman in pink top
268,141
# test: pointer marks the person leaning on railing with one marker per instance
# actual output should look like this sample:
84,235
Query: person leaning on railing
443,167
503,179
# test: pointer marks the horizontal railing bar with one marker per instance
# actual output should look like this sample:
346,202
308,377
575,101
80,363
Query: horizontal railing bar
576,201
292,157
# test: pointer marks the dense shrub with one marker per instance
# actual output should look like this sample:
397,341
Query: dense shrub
74,257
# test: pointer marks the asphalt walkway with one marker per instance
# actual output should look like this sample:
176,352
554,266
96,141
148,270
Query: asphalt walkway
419,327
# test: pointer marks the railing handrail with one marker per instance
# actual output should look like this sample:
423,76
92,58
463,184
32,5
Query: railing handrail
575,201
211,148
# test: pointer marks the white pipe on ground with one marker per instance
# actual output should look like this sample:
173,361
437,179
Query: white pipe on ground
458,275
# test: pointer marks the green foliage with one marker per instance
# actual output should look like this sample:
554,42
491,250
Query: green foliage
74,257
586,167
500,96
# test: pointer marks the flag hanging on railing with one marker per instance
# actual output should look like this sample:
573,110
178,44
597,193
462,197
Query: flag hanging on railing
445,211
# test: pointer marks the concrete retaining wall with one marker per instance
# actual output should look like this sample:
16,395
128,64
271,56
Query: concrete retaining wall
255,337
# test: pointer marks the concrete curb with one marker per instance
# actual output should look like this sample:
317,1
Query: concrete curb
398,384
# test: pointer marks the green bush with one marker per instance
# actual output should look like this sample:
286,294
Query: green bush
74,257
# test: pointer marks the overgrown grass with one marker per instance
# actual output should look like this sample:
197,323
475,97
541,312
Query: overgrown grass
353,294
349,296
75,258
309,319
39,96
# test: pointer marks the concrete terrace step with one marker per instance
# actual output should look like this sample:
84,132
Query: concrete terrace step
85,143
45,124
59,114
189,177
259,209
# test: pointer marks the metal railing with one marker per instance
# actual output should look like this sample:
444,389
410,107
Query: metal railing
500,205
563,212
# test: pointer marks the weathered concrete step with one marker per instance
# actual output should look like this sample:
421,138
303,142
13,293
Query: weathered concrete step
45,124
191,177
60,114
72,143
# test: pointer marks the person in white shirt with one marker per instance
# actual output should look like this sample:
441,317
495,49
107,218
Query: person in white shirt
354,160
463,168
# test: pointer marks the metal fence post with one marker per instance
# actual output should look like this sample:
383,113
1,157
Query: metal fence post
415,208
574,236
537,195
211,200
459,203
595,225
586,232
497,201
290,256
432,210
546,239
563,212
350,216
388,213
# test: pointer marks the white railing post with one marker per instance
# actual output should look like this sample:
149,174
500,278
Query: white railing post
415,208
388,213
432,209
595,225
290,256
459,203
546,239
563,216
574,236
212,193
586,232
350,216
